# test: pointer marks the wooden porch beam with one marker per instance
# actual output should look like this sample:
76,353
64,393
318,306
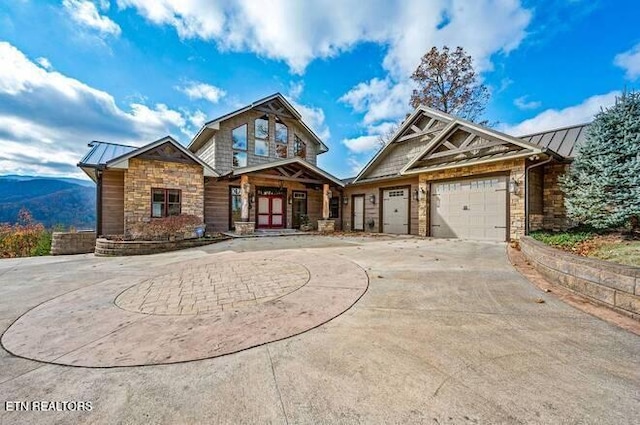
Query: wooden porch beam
291,179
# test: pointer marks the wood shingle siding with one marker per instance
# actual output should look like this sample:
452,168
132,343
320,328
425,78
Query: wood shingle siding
218,152
113,202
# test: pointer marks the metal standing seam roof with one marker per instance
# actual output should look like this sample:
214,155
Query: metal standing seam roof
103,152
563,141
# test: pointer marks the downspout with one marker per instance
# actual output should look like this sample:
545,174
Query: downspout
526,191
98,202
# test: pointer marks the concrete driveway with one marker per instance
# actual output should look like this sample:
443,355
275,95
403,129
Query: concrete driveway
447,332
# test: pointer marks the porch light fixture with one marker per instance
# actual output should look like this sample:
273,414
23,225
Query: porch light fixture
290,199
416,195
372,198
345,200
514,187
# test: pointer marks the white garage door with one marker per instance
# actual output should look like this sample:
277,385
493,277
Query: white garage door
395,211
470,209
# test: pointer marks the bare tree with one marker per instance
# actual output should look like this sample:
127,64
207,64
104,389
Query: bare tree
448,82
385,137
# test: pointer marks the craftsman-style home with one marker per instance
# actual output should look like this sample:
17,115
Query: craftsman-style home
255,168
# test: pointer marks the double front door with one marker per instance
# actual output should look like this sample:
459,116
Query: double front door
271,211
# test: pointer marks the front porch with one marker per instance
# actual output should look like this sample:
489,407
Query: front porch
279,196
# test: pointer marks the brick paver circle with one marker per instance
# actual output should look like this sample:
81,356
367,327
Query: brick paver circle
212,288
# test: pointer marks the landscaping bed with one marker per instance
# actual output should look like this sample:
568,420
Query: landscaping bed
617,247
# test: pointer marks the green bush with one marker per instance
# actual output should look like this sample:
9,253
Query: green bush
569,239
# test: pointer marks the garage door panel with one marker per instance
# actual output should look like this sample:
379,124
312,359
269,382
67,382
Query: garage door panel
470,209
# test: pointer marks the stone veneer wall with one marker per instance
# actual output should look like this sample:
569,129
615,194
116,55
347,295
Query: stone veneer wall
614,285
555,214
65,243
513,169
143,175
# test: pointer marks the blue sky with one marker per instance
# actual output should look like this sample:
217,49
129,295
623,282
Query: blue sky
132,71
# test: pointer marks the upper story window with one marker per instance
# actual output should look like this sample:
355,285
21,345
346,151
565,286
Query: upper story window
299,147
239,144
165,202
262,136
281,137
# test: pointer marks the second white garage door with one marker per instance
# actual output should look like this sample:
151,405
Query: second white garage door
395,211
470,209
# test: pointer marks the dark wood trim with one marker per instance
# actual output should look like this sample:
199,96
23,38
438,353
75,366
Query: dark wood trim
98,202
165,213
306,203
231,224
353,211
292,179
505,174
381,212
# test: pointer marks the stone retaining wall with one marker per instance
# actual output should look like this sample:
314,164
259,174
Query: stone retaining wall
613,285
111,248
65,243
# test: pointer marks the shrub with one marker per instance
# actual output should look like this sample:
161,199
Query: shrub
25,238
602,187
159,229
567,240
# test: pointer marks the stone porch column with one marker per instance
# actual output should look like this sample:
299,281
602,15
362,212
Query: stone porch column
326,225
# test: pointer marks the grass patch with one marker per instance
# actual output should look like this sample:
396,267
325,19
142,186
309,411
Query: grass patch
625,252
566,240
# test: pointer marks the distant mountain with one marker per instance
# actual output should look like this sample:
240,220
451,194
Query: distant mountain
51,201
81,182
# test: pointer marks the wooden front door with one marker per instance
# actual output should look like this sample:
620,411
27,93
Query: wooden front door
270,211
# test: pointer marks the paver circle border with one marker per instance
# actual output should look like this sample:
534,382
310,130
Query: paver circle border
115,300
3,335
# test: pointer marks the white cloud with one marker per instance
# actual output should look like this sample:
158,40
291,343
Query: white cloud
86,14
45,63
197,119
379,99
554,118
630,62
196,90
372,141
362,144
299,32
311,115
524,104
47,118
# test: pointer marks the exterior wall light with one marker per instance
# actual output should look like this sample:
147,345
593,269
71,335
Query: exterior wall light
372,198
290,199
514,187
415,195
345,200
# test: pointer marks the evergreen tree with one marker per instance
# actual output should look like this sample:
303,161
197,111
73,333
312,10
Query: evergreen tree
602,186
